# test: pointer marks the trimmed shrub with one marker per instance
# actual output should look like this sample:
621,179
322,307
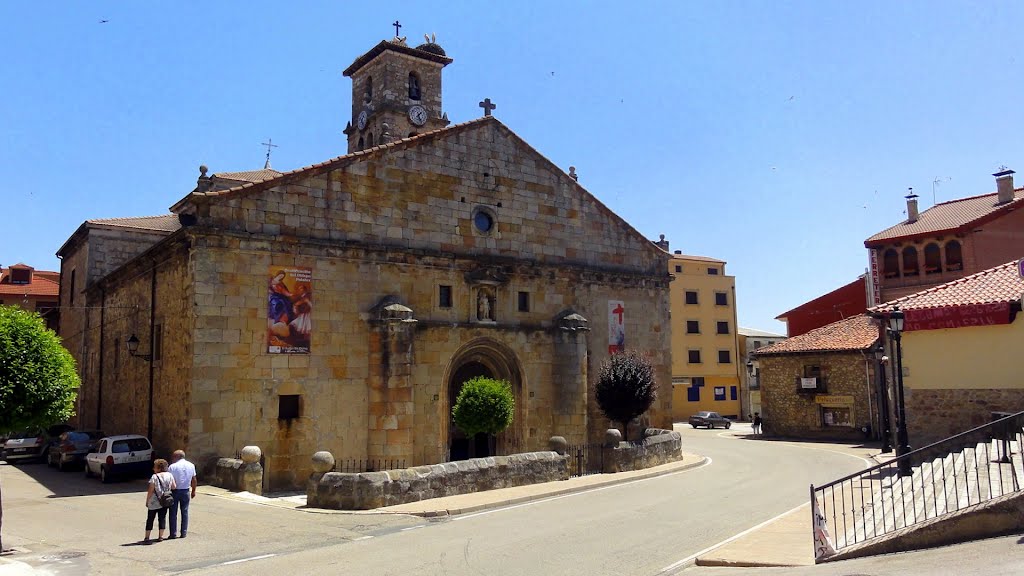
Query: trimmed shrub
626,387
484,405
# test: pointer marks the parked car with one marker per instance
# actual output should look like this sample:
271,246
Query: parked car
71,448
709,419
32,444
119,456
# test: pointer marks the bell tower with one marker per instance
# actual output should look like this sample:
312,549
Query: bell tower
396,92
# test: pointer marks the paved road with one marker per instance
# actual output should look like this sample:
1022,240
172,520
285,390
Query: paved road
638,528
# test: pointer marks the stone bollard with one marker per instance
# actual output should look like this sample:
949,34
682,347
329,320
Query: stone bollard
252,471
559,445
323,462
612,437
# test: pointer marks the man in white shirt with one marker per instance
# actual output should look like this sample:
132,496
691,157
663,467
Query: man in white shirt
184,473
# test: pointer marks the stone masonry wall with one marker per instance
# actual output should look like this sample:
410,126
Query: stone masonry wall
934,415
370,490
658,447
787,412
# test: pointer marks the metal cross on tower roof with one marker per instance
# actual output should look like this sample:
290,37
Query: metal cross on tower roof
269,144
398,27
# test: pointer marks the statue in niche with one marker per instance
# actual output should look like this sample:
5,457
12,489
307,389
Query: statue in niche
484,307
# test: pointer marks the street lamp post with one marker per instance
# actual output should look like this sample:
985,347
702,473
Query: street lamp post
883,399
903,442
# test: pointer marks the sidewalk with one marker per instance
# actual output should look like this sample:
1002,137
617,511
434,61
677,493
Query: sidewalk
468,503
784,540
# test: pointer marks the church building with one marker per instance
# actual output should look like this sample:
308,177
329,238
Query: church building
341,306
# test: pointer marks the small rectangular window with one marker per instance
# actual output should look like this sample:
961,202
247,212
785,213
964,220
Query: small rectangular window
698,381
719,393
712,271
693,327
444,296
721,299
71,291
724,357
732,393
158,342
524,301
117,353
693,356
691,296
679,268
693,393
288,406
723,327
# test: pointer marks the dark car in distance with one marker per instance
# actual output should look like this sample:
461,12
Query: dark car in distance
72,446
709,420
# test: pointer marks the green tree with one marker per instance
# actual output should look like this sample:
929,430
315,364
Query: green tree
38,382
484,405
626,387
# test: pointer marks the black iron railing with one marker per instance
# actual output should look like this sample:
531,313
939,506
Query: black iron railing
585,459
953,474
354,466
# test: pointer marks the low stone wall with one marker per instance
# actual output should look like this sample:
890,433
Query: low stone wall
369,490
241,475
658,447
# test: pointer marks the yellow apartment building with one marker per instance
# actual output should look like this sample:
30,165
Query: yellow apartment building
705,361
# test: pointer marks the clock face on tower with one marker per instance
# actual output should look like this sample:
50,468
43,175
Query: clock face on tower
361,120
418,115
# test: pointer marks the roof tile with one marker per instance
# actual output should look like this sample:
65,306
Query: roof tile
1001,284
854,333
947,216
163,223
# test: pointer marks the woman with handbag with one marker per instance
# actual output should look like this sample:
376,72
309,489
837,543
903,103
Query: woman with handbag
158,498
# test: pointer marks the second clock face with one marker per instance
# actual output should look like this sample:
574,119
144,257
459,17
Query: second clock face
418,115
361,120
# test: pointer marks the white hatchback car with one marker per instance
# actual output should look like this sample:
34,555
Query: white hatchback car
118,456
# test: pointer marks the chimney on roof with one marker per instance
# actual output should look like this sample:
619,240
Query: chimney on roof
662,243
911,206
1004,185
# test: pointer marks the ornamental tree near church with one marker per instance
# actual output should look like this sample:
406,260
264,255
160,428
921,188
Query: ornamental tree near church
484,405
38,382
626,387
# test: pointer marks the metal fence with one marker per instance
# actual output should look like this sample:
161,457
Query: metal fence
953,474
354,466
585,459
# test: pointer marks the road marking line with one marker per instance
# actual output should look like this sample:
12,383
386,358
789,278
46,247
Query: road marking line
362,538
674,566
411,528
247,559
707,462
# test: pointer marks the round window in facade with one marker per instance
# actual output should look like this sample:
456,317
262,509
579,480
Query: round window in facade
483,221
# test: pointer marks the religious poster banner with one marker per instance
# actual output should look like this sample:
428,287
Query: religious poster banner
289,310
616,326
823,547
957,316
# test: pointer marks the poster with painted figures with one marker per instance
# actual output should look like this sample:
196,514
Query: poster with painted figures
823,547
616,326
289,310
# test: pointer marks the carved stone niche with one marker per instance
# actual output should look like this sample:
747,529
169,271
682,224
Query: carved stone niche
390,310
571,321
484,282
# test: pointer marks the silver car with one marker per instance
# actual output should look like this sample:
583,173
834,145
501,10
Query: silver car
32,444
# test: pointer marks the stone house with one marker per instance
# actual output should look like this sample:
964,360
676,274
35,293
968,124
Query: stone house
959,343
341,306
821,384
950,240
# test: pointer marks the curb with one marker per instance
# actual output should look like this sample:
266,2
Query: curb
442,512
552,494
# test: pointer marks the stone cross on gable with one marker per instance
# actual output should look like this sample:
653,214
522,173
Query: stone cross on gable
487,106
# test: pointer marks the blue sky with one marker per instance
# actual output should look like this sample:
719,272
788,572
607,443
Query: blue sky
774,135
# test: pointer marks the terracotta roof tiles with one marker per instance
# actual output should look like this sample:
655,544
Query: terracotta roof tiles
948,216
163,223
852,334
42,284
1001,284
249,175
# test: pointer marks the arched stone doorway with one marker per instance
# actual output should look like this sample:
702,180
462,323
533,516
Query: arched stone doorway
482,357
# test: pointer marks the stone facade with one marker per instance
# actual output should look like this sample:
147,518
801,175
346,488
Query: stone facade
936,414
369,490
457,253
849,383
